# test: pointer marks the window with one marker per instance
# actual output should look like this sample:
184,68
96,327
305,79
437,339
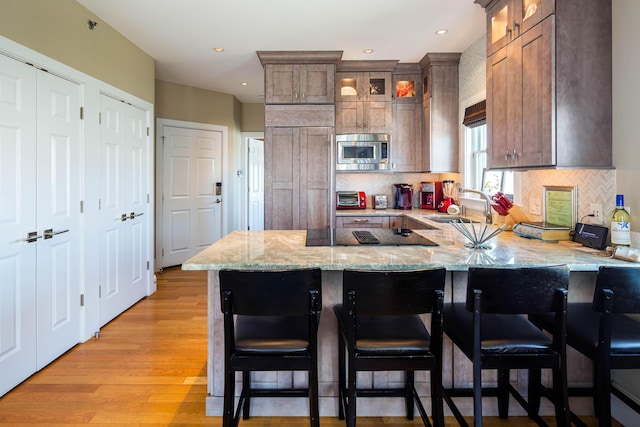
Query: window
476,174
476,155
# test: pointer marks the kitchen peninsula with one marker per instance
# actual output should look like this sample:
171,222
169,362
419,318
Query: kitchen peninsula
285,249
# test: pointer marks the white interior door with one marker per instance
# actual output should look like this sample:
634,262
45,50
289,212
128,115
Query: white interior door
136,195
59,262
113,212
256,184
192,199
17,220
124,207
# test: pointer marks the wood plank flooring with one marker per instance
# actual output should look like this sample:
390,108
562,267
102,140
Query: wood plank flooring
148,368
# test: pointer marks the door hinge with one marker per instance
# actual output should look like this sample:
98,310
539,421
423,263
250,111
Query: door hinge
81,300
81,113
81,206
99,204
148,198
99,291
162,251
148,131
147,265
99,118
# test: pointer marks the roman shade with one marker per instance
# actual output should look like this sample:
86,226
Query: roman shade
475,115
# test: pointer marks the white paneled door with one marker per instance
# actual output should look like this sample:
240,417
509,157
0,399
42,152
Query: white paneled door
59,262
40,264
256,184
192,185
124,207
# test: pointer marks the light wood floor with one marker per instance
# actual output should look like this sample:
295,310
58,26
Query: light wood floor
148,368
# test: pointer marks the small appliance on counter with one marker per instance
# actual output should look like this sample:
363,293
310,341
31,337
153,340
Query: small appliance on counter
430,195
448,193
351,200
379,201
403,196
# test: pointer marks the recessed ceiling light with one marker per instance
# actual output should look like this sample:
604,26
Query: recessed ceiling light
218,49
441,32
368,51
244,84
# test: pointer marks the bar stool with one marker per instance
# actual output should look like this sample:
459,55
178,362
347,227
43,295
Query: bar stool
604,333
275,329
492,331
379,329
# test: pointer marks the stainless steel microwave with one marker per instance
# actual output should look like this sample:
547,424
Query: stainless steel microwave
363,151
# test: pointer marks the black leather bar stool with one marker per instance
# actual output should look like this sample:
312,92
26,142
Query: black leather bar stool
492,330
275,329
379,329
604,333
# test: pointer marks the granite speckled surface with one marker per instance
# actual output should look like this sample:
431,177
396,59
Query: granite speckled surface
283,249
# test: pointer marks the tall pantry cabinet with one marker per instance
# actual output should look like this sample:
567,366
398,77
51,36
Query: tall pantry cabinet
299,153
549,83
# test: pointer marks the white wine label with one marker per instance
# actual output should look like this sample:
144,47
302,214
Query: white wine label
620,233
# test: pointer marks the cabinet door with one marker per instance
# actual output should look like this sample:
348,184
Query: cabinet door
363,86
349,117
317,83
316,177
281,178
528,13
534,52
499,26
298,178
377,117
497,111
279,83
406,149
407,88
363,222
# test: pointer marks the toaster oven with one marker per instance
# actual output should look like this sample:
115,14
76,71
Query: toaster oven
351,200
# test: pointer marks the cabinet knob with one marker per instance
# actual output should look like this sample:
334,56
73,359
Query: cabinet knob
507,156
515,154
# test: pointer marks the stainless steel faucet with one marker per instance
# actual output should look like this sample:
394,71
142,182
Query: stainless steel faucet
488,214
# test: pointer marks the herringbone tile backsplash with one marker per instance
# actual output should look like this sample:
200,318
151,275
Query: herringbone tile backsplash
594,186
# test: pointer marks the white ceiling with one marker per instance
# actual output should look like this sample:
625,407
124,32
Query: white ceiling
181,34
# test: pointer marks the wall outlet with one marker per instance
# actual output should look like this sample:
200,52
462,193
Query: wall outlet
596,210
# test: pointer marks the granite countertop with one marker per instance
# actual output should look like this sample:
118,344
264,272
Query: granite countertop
282,249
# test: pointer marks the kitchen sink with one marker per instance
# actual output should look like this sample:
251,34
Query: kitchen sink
448,218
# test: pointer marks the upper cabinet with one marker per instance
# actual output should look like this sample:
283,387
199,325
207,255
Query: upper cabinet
508,19
440,105
406,138
299,77
549,84
363,96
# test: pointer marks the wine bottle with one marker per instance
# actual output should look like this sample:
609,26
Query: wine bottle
620,224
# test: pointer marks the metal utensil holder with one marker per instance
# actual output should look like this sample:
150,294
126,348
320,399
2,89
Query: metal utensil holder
477,236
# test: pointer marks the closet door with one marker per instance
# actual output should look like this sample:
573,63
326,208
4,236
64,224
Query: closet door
136,197
40,149
124,207
59,261
113,212
17,221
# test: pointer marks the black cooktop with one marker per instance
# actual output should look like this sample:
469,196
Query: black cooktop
384,237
